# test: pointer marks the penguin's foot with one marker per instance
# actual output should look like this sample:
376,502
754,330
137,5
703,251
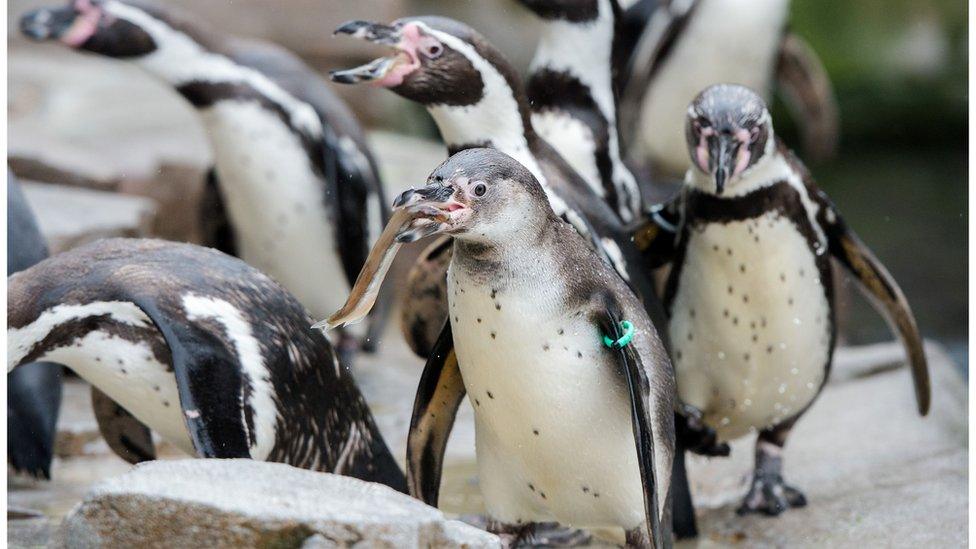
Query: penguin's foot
537,534
695,435
552,534
770,495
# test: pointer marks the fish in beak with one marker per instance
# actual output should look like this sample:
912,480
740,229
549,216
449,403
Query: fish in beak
416,213
388,71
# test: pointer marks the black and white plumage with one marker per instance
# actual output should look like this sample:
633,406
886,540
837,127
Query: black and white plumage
295,191
477,100
750,293
203,349
572,96
557,413
34,391
687,45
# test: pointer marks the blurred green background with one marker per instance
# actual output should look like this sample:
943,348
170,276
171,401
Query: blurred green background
900,72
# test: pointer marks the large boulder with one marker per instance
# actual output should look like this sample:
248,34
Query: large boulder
245,503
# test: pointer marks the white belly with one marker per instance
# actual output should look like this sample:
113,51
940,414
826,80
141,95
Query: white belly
727,41
131,376
553,429
276,204
574,141
750,328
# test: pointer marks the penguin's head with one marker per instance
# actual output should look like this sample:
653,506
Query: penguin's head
436,60
106,27
728,129
477,194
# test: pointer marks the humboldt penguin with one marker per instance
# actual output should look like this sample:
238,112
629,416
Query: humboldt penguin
205,350
687,45
301,190
477,100
572,96
34,391
750,294
551,347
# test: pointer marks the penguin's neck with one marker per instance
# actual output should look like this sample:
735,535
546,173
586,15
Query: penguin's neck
771,169
500,119
204,75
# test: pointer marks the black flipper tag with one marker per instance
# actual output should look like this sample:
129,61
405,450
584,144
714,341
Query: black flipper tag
439,395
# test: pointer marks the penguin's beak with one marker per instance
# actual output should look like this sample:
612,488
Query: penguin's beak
722,154
434,208
47,23
386,71
73,24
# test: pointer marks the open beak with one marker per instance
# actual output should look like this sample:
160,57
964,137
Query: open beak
722,154
433,208
47,23
386,71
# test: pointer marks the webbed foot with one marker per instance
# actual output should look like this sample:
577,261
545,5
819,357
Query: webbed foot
770,495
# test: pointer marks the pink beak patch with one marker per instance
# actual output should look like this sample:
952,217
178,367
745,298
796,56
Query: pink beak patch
407,60
84,25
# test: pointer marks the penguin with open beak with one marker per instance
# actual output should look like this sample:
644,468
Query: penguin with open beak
477,100
572,389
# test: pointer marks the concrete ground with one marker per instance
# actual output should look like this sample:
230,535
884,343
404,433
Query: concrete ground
874,472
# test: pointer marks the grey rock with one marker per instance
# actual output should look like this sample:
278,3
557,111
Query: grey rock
70,216
245,503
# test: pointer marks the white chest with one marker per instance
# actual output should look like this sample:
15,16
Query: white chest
726,41
129,374
750,324
276,203
554,436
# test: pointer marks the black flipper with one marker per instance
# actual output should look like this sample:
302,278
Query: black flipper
638,388
882,291
33,402
657,236
215,226
34,390
125,435
803,83
209,393
439,395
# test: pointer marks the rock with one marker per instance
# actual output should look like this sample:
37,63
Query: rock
245,503
35,532
70,216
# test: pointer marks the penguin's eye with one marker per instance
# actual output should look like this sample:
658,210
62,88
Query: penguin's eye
480,189
433,51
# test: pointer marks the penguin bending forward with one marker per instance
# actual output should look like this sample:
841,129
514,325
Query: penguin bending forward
295,191
205,350
34,391
477,100
552,348
750,294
